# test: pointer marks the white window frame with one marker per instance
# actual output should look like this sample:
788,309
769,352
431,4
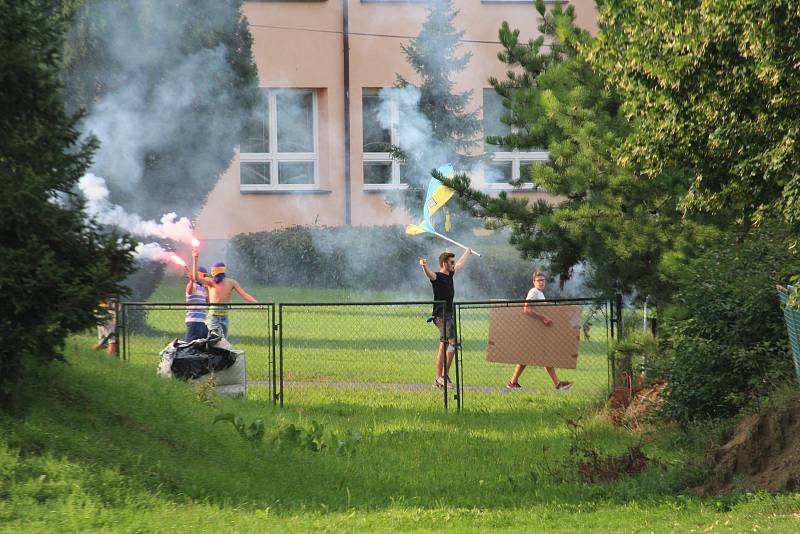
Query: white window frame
516,158
383,157
273,157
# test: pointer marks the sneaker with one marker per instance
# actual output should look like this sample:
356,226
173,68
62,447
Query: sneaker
513,385
563,386
441,382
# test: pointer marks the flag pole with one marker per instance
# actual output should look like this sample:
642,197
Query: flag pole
454,242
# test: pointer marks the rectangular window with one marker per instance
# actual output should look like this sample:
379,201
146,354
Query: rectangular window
255,138
493,111
377,172
380,118
377,138
254,173
498,172
279,145
507,164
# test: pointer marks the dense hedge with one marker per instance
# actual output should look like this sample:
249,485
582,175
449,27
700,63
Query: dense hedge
725,338
326,257
375,258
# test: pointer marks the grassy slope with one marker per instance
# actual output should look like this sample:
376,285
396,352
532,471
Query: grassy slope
108,446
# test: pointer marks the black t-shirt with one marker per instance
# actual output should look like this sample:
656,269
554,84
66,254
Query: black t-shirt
443,290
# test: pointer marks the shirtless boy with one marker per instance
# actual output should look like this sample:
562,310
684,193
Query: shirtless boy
220,288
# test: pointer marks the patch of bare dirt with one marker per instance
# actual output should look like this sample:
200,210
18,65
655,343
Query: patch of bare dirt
763,453
595,467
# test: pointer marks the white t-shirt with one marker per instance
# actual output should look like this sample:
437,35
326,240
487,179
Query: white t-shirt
535,294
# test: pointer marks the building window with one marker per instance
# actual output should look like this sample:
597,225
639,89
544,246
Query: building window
529,2
279,146
380,119
507,165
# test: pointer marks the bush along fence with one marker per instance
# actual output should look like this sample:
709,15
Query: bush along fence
344,258
326,353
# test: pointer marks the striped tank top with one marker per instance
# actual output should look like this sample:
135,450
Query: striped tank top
196,312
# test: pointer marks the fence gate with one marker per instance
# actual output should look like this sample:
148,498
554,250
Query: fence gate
383,352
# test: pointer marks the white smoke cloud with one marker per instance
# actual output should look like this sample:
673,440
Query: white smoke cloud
136,119
166,91
98,207
414,130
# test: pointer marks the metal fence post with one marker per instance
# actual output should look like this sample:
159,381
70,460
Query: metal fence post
457,325
273,379
123,340
612,318
618,299
444,354
610,326
280,353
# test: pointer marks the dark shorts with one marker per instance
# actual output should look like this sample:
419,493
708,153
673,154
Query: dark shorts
195,330
446,326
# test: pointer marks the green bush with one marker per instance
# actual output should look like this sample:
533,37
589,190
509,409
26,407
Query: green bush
373,258
725,337
342,257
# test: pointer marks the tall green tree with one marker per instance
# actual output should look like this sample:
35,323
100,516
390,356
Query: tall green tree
622,225
56,265
169,86
714,87
453,129
433,55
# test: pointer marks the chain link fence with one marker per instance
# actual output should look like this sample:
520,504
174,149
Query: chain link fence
382,351
146,328
569,336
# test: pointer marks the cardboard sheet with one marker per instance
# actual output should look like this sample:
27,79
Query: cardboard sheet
515,337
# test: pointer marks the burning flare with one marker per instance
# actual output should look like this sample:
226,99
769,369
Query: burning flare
195,242
177,260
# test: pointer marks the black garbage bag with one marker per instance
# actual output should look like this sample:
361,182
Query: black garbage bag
199,357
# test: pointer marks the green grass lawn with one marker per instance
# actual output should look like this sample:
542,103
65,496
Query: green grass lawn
330,351
107,446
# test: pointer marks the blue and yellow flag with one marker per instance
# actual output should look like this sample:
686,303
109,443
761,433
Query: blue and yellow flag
437,196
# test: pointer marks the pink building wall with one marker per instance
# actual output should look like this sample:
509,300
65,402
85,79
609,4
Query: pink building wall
294,58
